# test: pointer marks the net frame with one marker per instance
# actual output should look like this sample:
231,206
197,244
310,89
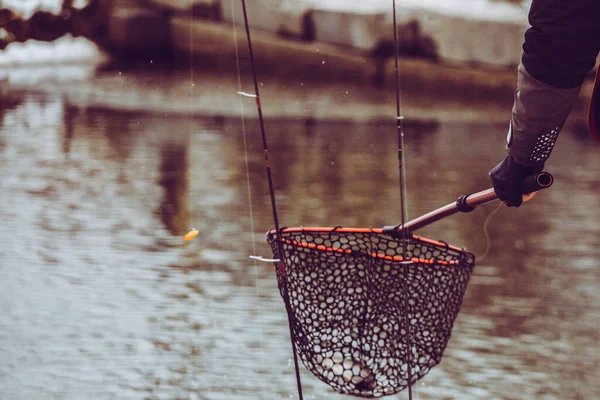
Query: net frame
370,312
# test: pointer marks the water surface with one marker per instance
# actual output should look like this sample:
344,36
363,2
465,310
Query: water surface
101,298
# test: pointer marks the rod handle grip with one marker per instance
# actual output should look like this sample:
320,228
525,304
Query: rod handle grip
540,181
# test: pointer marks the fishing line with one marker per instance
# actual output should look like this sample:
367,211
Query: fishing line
248,187
488,241
281,266
403,201
245,142
190,202
399,127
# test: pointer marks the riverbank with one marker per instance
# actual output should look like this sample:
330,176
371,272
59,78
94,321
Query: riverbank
213,94
341,41
309,68
207,86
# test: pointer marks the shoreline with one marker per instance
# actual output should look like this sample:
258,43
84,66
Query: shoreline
205,85
302,79
214,95
332,47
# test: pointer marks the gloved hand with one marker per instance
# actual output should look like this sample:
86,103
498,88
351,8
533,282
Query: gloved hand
507,177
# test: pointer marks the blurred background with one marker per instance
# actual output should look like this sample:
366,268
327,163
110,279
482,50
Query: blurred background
121,128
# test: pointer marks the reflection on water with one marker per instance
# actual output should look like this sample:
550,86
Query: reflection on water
101,298
173,208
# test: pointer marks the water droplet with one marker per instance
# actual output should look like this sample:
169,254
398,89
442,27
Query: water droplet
323,61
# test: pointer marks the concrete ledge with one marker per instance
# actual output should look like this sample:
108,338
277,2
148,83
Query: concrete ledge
462,40
363,29
214,45
493,37
138,29
472,69
210,9
181,5
285,17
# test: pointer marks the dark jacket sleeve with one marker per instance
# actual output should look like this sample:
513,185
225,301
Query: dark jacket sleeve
563,41
560,48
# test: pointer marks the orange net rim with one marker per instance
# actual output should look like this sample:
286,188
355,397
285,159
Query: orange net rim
364,230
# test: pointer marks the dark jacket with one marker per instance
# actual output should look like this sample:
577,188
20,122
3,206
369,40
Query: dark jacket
560,49
564,39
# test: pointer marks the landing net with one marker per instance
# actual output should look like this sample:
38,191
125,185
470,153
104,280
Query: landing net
370,314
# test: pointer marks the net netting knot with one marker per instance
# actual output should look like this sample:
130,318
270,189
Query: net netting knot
370,314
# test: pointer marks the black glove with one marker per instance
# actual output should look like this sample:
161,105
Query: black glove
507,178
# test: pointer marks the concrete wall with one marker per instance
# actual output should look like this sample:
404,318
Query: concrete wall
366,28
138,29
465,40
284,17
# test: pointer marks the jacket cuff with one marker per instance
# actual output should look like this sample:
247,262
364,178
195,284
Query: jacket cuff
538,115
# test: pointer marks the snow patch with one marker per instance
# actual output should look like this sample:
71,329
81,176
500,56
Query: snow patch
27,7
485,10
66,49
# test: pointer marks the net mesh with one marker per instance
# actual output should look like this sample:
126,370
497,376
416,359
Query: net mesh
365,320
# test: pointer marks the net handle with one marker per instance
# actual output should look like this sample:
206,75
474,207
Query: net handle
467,203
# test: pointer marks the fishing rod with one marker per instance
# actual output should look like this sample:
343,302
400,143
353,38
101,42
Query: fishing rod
371,311
468,202
283,283
465,204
